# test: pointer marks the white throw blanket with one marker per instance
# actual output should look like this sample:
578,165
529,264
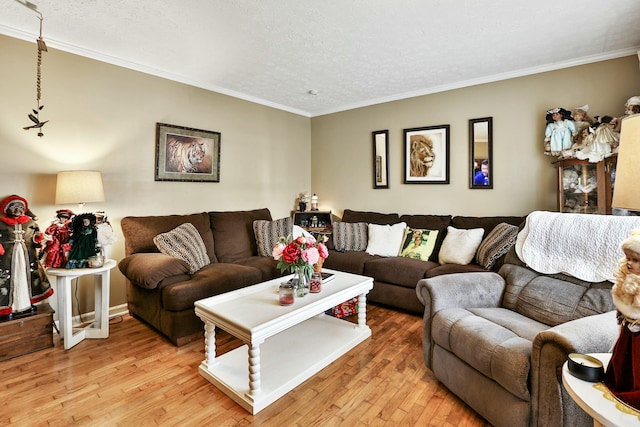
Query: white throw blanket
580,245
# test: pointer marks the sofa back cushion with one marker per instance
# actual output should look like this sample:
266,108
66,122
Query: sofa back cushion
139,231
370,217
233,233
553,299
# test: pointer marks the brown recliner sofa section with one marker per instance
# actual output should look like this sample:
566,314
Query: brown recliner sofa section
395,278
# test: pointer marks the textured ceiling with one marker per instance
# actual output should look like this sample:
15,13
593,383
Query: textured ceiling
352,52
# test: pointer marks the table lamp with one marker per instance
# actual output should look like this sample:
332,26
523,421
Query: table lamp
79,187
623,373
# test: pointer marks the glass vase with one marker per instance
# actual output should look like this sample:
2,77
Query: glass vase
301,281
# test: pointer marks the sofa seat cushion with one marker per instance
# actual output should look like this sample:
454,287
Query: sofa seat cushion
495,341
267,266
398,270
349,261
211,280
439,270
150,270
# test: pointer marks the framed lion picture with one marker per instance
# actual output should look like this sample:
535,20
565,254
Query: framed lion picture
187,154
426,155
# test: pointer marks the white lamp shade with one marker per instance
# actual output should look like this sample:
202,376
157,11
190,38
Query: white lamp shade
626,191
79,187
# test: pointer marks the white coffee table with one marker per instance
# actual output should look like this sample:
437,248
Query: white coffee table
284,346
597,400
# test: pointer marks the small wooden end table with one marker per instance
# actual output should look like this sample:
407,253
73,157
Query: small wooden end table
597,401
100,327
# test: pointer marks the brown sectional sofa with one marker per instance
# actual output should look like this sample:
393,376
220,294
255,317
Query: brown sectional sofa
395,278
161,292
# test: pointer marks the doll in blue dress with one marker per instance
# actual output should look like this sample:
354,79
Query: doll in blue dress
559,132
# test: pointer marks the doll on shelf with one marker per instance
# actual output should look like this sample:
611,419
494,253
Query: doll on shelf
56,239
106,235
84,241
23,281
559,131
602,142
622,376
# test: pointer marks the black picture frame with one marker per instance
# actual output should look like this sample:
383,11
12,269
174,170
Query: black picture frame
187,154
426,155
380,159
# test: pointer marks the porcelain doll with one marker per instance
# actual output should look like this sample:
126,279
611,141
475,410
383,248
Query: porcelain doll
559,131
84,241
56,238
23,281
106,235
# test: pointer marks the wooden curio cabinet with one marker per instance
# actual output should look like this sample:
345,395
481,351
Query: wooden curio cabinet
585,187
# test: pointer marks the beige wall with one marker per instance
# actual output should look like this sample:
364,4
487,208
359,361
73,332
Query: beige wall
524,178
103,117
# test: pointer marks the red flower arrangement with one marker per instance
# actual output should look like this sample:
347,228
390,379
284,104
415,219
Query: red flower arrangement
300,254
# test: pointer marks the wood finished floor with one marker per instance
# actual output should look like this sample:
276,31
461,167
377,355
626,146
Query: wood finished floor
136,378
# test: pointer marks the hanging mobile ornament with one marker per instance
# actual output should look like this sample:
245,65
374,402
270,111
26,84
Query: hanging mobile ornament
34,115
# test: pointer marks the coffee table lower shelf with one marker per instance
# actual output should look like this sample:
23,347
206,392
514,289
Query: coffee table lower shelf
287,359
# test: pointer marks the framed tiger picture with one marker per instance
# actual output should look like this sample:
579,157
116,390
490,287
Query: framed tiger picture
426,155
187,154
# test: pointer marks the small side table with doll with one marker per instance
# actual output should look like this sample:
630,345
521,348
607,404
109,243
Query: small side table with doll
23,282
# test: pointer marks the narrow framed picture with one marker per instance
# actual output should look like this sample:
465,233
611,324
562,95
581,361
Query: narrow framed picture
380,159
187,154
426,155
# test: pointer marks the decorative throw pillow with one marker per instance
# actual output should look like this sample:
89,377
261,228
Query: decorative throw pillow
184,242
418,243
269,232
496,244
459,246
350,236
385,240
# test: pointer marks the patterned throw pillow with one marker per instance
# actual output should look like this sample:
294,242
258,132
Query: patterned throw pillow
184,242
350,236
496,244
460,245
269,232
418,243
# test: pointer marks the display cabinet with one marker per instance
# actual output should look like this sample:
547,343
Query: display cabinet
585,187
315,222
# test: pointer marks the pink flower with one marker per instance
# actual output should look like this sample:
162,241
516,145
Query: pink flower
323,251
311,255
311,241
301,240
277,251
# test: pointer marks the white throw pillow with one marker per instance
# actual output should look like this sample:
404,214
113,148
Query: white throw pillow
385,240
459,246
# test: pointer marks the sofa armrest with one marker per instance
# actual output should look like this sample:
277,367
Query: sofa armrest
592,334
147,270
464,290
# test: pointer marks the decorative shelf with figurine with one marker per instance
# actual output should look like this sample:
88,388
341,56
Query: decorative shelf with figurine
315,222
585,187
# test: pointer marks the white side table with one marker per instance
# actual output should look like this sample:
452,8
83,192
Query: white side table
597,401
100,327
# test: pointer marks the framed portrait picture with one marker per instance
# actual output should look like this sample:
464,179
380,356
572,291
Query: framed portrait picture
426,155
380,159
187,154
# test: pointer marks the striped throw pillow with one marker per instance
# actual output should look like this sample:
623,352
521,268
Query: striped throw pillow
350,236
496,244
268,233
184,242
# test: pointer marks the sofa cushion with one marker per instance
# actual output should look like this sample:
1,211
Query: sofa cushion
497,350
149,270
370,217
430,222
459,247
349,261
350,236
268,233
234,232
267,266
496,244
385,240
211,280
439,270
139,231
184,242
398,270
425,245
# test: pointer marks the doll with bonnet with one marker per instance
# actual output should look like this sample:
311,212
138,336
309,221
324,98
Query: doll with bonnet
559,131
622,376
